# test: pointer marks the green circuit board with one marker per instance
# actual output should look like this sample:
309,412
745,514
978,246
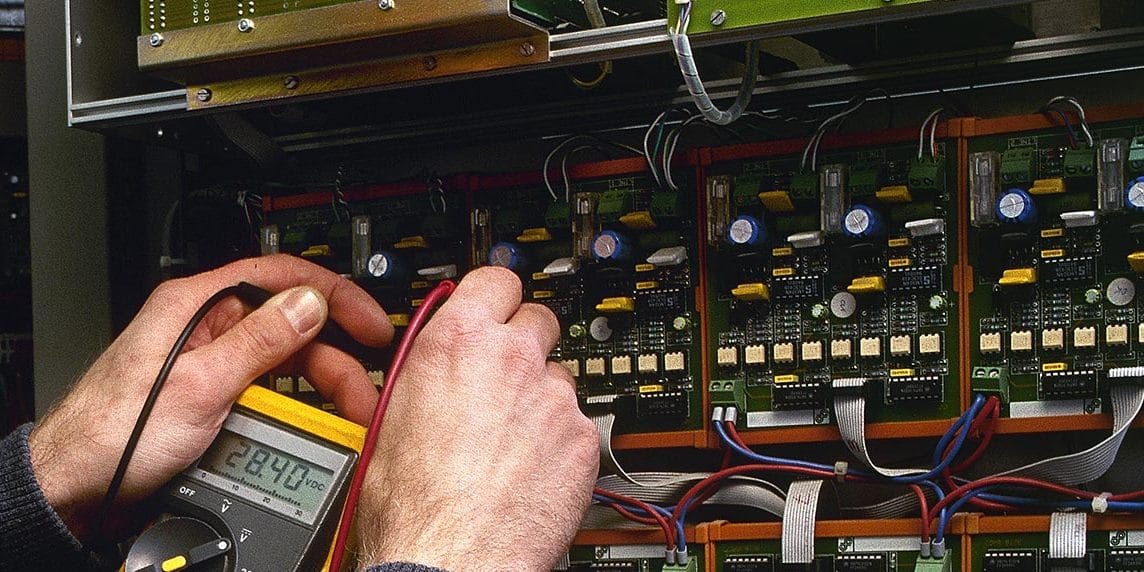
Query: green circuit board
1053,304
1106,551
630,558
849,554
397,248
795,302
618,267
164,15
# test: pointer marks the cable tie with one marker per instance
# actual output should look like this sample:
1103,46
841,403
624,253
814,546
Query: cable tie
840,470
1100,503
937,548
717,415
731,415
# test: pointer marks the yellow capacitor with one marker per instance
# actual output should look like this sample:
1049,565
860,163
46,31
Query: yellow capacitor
777,201
789,378
783,272
1052,253
530,235
1047,187
616,305
757,292
649,285
1136,260
895,194
1018,277
411,242
782,251
651,388
1056,366
899,262
317,250
645,267
638,220
899,242
541,276
903,372
543,294
867,285
1052,233
399,320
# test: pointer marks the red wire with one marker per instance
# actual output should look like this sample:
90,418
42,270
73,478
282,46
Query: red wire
986,438
924,509
655,518
440,292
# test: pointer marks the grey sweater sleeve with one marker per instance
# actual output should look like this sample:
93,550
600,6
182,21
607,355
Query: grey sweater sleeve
402,567
32,536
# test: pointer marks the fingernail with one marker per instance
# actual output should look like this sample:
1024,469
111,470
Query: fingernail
303,308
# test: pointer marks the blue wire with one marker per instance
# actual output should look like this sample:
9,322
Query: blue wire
665,512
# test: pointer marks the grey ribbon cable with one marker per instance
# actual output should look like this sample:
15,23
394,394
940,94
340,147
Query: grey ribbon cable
1090,464
850,410
1068,542
798,522
666,489
599,409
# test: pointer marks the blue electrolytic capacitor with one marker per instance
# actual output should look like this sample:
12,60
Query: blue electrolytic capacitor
1135,195
1016,207
383,265
611,246
862,221
506,255
746,231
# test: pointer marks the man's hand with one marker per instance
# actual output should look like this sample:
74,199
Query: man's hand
76,447
484,461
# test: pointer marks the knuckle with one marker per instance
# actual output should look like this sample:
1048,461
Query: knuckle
262,343
523,357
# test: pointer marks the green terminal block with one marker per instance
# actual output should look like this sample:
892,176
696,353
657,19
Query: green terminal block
943,564
614,204
1079,163
728,393
746,191
864,181
804,188
559,215
928,175
1136,156
991,380
666,205
691,566
1017,166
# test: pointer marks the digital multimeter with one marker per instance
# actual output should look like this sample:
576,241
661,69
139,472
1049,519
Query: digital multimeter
266,496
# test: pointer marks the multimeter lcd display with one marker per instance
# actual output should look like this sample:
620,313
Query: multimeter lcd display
268,471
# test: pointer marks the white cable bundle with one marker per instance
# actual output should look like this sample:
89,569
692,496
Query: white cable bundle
694,83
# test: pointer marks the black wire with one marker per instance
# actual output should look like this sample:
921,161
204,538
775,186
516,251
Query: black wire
149,404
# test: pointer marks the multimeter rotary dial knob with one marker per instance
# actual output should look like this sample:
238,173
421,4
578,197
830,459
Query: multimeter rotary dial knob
181,544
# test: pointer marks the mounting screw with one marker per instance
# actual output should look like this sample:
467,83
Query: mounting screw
156,40
204,95
527,49
291,82
245,25
430,63
718,17
385,4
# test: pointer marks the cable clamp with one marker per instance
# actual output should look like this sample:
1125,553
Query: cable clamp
840,470
937,548
1100,503
731,415
717,415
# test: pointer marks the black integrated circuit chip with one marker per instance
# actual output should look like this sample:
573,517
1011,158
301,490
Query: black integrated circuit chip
914,388
1010,561
1126,560
606,566
1067,270
663,405
1075,384
749,563
660,301
798,396
564,308
914,279
790,288
871,562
